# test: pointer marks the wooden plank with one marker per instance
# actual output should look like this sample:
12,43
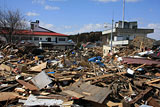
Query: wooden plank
39,67
5,67
86,93
4,96
74,94
31,62
103,94
140,96
112,104
28,85
155,80
155,85
104,76
93,96
84,87
65,79
130,89
67,104
94,93
139,67
152,102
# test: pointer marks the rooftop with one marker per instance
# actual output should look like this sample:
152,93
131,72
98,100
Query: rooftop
129,27
29,32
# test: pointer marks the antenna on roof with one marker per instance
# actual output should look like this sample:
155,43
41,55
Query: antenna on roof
123,14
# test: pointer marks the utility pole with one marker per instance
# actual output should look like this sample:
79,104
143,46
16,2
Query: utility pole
112,34
123,14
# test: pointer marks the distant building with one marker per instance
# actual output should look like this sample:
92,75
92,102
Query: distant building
39,35
122,36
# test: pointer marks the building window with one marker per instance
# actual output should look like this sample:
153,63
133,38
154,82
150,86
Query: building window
26,38
119,38
131,37
32,26
40,38
49,39
62,39
29,38
36,38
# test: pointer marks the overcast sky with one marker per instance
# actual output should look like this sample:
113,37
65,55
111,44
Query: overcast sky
78,16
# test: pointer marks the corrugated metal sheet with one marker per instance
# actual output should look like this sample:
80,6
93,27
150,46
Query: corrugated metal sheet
128,60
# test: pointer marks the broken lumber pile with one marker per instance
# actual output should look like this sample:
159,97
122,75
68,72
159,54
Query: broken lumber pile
127,78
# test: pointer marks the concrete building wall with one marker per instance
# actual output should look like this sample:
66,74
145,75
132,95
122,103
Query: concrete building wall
121,38
45,38
128,36
37,39
35,27
54,39
106,50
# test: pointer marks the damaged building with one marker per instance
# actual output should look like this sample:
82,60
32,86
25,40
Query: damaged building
40,36
123,36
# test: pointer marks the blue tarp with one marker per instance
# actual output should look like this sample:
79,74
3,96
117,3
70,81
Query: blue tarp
51,72
96,60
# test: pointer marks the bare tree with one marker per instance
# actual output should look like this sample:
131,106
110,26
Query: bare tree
10,21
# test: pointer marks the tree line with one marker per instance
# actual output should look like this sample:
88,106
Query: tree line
86,37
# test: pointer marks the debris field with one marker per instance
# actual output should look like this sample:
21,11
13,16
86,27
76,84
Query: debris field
79,78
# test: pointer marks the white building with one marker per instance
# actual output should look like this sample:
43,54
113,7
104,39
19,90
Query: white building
122,36
42,35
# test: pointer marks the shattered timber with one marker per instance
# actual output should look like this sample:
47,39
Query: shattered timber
129,77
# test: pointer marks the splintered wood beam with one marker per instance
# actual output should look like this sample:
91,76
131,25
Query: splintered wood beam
104,76
140,96
150,82
152,102
27,85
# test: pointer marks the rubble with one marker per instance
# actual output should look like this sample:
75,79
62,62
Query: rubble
79,78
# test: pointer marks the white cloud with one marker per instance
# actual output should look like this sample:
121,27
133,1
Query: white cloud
27,23
32,14
104,1
156,27
47,26
67,27
39,1
90,27
60,29
47,7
